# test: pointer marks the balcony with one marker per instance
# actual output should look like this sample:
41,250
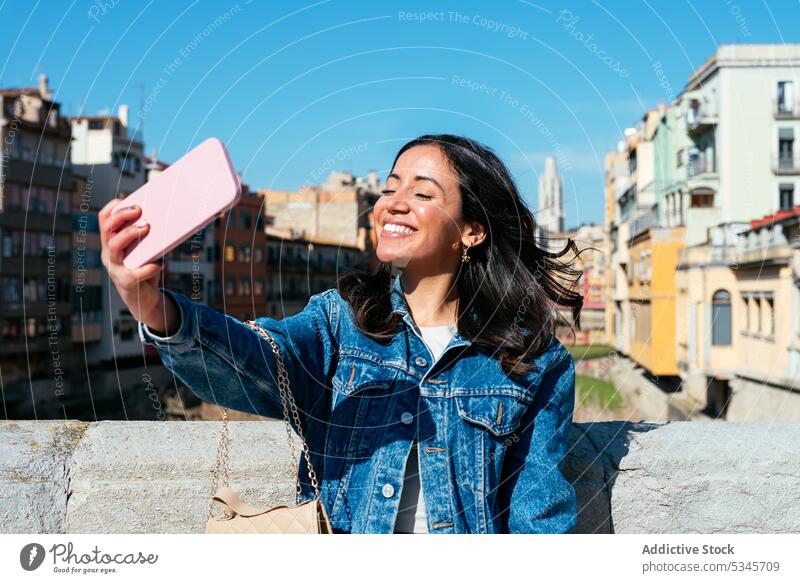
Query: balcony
699,118
786,108
699,167
767,245
643,222
786,165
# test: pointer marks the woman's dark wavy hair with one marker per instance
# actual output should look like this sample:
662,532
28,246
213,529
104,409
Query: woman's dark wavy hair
513,284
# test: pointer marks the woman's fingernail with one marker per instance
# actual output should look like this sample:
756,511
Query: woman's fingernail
140,227
133,207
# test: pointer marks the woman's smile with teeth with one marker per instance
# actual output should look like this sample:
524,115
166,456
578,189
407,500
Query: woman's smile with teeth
396,229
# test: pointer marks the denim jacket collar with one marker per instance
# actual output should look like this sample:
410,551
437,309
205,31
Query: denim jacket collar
543,361
400,306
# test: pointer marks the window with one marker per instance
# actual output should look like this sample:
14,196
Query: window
126,328
746,312
230,285
258,286
755,320
13,194
244,286
695,163
230,253
47,199
212,292
641,321
244,252
769,316
246,222
701,198
679,158
785,101
8,245
15,145
125,163
259,254
786,196
11,328
785,148
10,290
721,318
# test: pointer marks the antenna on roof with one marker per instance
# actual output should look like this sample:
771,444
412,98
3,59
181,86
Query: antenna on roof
141,108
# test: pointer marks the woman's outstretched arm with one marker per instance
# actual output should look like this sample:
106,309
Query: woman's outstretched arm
219,358
225,362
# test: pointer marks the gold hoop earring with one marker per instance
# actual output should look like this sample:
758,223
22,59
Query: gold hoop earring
465,256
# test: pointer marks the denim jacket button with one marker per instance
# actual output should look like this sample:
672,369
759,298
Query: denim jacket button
420,361
388,490
406,418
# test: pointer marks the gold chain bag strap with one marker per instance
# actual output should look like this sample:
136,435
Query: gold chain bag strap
308,517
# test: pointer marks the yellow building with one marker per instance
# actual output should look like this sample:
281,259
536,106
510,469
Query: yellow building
654,253
738,334
707,325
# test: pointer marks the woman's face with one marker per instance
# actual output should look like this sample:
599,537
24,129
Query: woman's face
418,217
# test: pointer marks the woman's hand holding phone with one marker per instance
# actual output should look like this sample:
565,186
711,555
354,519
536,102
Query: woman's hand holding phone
138,288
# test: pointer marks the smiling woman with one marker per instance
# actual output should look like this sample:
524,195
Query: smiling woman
446,199
452,219
432,394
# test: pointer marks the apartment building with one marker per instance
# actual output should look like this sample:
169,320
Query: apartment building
592,284
723,153
735,129
707,326
617,182
87,266
739,339
36,196
339,209
299,268
643,253
736,159
110,155
238,287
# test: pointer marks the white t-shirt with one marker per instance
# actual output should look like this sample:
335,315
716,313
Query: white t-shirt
411,516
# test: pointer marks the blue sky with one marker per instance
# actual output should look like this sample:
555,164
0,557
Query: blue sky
297,88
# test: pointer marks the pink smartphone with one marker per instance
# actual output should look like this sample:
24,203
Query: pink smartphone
185,197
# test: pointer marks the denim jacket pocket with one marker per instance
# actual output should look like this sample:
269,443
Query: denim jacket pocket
355,374
362,395
498,413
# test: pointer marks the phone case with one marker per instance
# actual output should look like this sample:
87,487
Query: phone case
184,198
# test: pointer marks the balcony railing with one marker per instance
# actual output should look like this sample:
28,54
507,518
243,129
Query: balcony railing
768,244
643,222
699,167
700,119
782,164
786,109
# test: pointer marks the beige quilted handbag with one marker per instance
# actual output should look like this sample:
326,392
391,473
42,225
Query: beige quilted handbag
308,517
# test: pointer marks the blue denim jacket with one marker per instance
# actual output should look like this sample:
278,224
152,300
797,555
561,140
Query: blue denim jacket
491,449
